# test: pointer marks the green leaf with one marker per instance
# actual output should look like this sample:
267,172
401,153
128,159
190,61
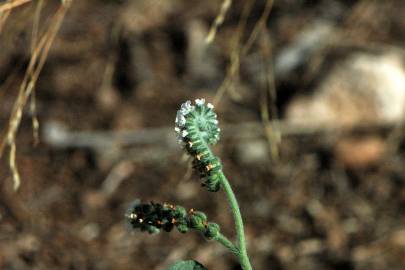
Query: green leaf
187,265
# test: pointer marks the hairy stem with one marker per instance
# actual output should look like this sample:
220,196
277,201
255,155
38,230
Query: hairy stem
227,243
243,256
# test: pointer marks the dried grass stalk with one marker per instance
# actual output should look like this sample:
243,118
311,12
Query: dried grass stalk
219,20
9,5
38,56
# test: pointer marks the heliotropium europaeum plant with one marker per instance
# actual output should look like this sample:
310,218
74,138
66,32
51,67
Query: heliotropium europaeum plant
197,129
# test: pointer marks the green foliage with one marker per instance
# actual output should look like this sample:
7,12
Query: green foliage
187,265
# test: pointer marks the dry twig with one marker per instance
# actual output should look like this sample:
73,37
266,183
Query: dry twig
219,20
6,8
37,61
239,51
3,17
148,145
9,5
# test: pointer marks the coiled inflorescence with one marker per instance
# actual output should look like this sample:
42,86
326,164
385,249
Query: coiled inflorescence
197,128
152,217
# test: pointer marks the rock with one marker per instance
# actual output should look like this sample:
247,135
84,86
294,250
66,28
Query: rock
253,152
305,44
359,152
366,87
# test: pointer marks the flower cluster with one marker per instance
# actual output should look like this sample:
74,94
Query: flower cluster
197,128
152,217
198,119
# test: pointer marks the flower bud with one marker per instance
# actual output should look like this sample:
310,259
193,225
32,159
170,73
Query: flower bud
180,212
197,220
182,227
212,231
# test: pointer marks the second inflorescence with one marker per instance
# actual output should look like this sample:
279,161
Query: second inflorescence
153,217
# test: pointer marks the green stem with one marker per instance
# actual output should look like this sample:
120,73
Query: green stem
199,138
227,243
243,256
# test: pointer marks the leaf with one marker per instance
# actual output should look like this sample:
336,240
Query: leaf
187,265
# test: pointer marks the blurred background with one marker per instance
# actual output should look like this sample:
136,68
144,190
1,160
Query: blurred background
310,96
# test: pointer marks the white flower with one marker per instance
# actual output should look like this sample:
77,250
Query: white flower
200,102
210,106
180,119
186,107
184,133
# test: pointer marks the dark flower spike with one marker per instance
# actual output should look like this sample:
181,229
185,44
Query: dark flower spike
197,128
154,217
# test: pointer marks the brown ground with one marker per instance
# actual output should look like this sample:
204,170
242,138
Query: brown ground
127,65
